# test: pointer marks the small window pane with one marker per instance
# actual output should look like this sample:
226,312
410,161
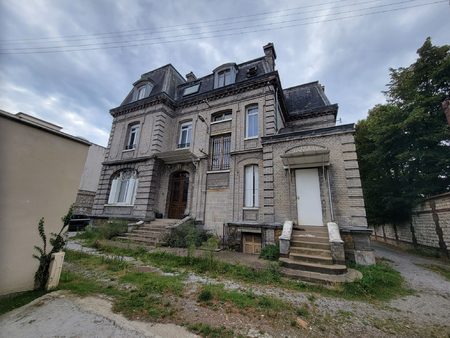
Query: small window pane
141,93
191,90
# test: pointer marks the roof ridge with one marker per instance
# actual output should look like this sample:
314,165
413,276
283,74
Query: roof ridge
303,85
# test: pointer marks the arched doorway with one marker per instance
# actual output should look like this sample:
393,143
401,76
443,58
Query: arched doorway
178,194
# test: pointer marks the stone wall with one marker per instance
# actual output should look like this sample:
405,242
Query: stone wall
429,227
84,202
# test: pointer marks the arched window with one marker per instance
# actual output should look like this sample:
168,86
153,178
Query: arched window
251,182
123,188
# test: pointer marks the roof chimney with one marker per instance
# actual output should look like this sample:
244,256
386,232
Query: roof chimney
191,77
269,51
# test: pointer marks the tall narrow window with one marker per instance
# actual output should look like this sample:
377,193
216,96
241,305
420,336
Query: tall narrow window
224,78
220,152
133,135
251,123
185,135
251,193
123,188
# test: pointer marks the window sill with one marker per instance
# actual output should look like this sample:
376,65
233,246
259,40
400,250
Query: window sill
119,205
128,150
250,208
251,138
218,171
216,122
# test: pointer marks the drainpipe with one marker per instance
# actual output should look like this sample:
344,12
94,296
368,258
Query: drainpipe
329,194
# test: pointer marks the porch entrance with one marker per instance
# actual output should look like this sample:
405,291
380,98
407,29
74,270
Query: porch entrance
309,204
178,189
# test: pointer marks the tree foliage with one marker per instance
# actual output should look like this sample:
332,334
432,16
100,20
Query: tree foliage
404,146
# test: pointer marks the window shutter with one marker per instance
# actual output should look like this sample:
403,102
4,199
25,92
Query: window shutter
130,191
113,192
256,187
248,194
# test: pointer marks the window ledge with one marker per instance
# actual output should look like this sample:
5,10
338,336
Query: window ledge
216,122
251,138
218,171
250,208
119,205
128,150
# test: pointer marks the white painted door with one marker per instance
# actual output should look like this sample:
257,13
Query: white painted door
309,205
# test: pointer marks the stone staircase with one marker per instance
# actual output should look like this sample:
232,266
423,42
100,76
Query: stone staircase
150,234
310,256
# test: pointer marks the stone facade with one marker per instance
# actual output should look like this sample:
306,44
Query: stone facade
429,227
291,123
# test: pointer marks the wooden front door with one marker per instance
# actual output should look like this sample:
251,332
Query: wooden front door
251,243
178,186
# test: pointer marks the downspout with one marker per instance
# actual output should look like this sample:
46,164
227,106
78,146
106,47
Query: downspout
329,194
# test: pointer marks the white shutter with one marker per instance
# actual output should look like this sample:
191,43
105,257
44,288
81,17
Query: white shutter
248,194
130,191
113,192
256,187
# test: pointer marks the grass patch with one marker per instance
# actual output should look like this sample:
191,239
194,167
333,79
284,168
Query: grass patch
207,331
443,271
85,286
270,252
114,264
153,283
303,311
108,230
380,282
16,300
243,300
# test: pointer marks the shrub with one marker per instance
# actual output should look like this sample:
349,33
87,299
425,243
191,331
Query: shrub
185,234
205,295
107,230
270,252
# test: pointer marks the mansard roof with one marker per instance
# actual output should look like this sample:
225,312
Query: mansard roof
307,99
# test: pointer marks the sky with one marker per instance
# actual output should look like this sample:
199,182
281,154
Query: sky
70,62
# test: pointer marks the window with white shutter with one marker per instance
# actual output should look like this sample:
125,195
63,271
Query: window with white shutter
123,188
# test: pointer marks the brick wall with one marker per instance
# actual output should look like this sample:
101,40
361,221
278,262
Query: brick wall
429,227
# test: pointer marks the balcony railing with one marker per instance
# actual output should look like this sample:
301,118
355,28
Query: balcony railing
183,145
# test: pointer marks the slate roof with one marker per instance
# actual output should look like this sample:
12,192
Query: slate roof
306,98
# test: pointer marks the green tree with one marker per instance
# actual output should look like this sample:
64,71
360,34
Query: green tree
404,146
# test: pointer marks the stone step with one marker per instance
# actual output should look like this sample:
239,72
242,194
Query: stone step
322,278
310,238
310,229
147,241
149,231
311,258
311,251
131,234
334,269
307,244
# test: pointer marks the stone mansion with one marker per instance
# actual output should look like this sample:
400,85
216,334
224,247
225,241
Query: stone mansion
233,150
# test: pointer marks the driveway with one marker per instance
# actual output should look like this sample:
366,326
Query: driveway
432,298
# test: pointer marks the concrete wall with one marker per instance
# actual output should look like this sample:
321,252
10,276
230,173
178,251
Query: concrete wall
92,168
40,174
429,227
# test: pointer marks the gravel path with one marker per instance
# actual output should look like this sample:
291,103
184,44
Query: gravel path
431,303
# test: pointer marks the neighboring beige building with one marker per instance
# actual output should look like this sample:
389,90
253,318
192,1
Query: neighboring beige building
236,152
40,170
88,184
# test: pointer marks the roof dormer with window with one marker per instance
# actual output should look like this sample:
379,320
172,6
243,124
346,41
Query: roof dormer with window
225,75
142,89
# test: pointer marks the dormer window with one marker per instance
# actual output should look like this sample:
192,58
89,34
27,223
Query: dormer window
224,78
191,90
142,91
225,75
